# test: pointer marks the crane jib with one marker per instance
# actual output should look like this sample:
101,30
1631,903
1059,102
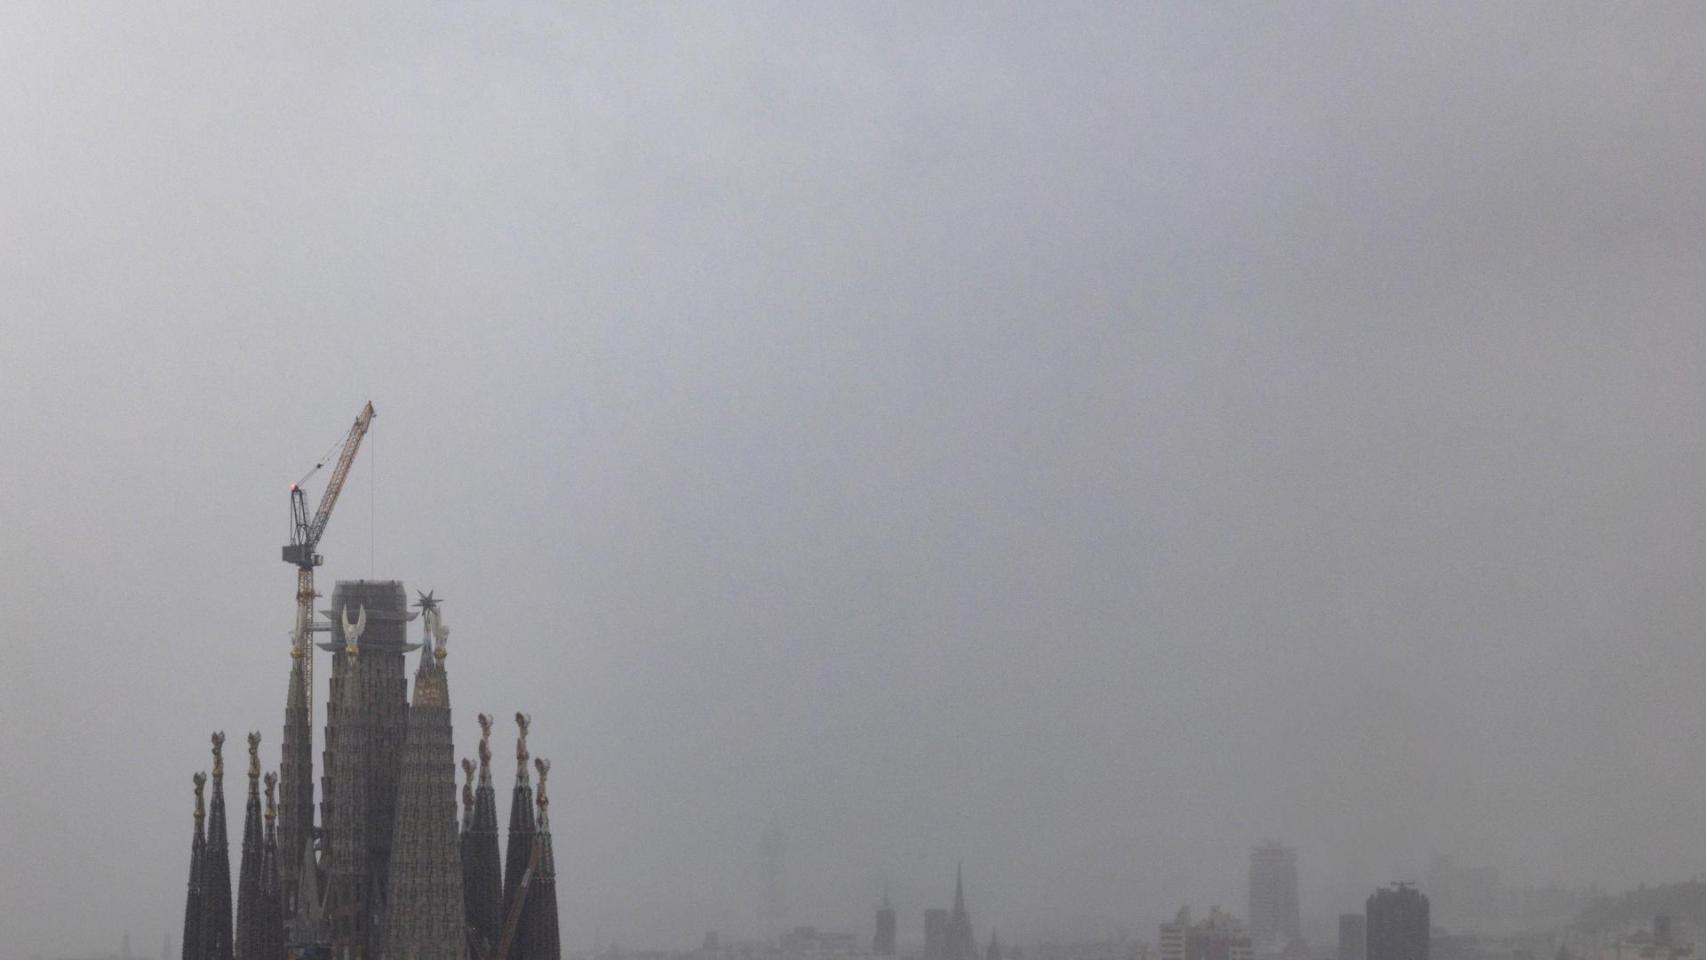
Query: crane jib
305,534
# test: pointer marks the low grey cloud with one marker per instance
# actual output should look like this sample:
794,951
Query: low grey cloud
1078,441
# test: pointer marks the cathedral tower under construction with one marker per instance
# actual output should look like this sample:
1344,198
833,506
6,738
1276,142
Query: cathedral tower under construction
388,873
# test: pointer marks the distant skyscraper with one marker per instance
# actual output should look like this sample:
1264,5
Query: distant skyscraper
1398,924
935,934
1353,937
770,850
1273,896
883,945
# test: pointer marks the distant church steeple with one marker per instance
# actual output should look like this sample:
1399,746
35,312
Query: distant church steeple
216,875
522,828
271,941
484,887
424,905
539,915
295,775
960,943
192,900
252,914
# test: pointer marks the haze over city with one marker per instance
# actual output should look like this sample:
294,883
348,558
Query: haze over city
1079,442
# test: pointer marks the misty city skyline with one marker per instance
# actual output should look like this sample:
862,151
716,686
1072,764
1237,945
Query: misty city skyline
1082,443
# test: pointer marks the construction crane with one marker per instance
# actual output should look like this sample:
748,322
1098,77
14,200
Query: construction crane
305,533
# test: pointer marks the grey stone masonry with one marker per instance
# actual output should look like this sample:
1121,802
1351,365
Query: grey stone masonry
425,912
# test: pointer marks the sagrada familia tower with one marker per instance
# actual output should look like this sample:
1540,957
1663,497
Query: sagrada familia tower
388,873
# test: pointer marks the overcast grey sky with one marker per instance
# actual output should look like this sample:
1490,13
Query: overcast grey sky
1079,440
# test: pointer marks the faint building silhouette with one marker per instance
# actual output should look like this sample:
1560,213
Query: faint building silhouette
1273,896
1353,936
1173,940
810,943
935,934
1397,924
1219,936
1463,897
883,945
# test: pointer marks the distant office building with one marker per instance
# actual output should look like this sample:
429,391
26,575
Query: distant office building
935,934
1462,897
1219,936
883,944
1174,936
1353,936
1398,924
1273,896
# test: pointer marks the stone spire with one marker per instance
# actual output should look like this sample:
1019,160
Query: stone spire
252,914
307,927
467,797
296,774
522,829
540,940
367,718
425,909
216,875
348,904
192,901
462,845
484,887
271,942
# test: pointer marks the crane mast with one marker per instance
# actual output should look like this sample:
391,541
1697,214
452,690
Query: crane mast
305,533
